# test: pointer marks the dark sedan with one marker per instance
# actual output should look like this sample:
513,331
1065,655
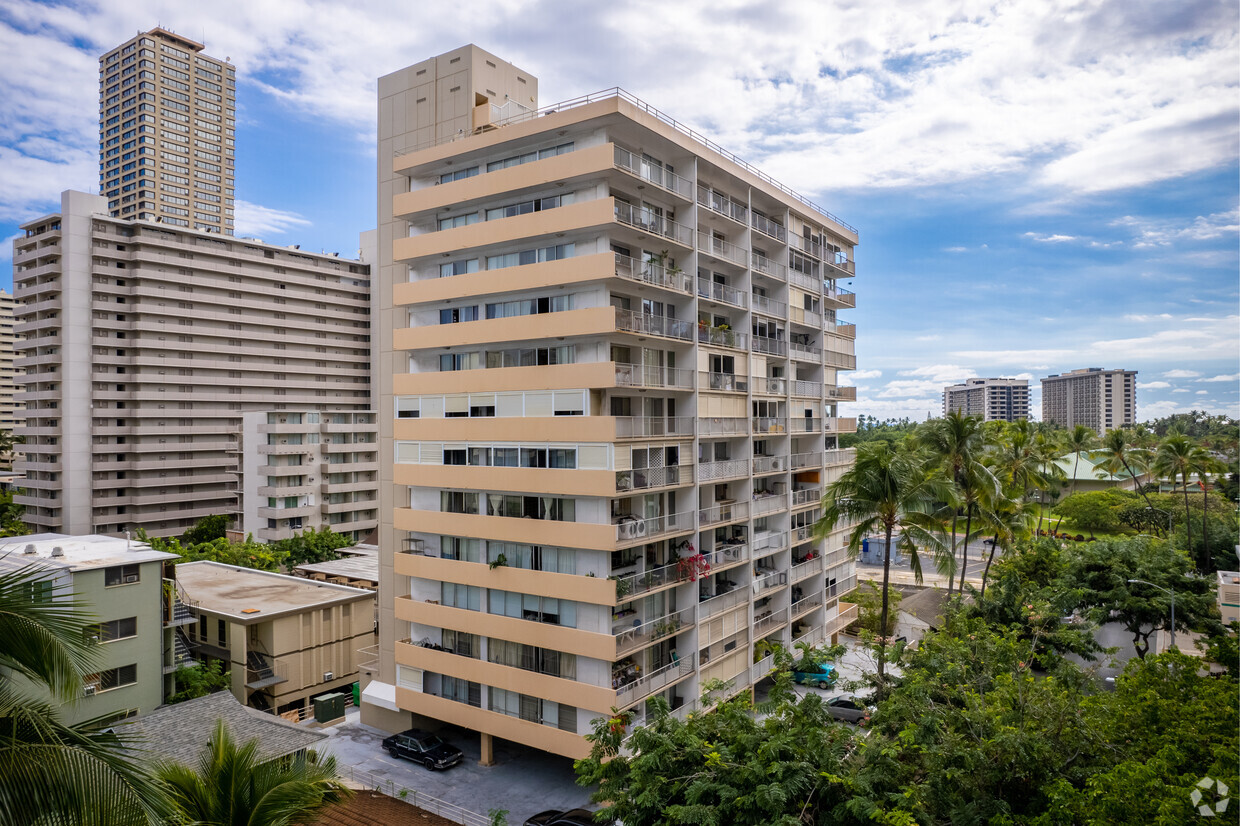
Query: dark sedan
555,817
423,747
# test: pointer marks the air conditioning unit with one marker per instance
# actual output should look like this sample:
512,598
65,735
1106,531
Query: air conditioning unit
639,528
90,690
328,676
629,530
131,579
777,463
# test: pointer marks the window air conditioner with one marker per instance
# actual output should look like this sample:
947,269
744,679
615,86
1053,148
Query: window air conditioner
328,676
131,578
90,690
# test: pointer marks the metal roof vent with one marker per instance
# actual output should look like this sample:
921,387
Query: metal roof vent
30,549
58,551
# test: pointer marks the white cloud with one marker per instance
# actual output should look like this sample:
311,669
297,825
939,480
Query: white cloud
253,219
955,249
1143,318
1202,393
1153,385
1181,374
1150,232
1042,238
1179,390
861,375
1233,378
942,373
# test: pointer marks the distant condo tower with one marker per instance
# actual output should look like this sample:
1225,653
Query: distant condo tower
167,133
995,400
1100,399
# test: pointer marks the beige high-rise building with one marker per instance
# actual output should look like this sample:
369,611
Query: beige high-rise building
143,346
167,132
1100,399
608,394
8,373
994,400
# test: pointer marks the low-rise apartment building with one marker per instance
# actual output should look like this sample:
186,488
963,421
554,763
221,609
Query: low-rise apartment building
304,469
130,591
285,639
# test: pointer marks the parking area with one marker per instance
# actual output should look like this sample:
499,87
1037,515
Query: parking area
524,781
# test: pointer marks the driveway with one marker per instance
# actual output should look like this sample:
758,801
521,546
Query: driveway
524,781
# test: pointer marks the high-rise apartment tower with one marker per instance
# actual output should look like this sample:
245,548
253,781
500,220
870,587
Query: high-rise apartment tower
167,132
608,395
1002,400
142,347
1100,399
8,373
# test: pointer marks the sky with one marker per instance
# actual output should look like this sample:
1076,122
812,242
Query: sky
1039,185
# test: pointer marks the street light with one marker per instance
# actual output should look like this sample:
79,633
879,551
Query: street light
1169,591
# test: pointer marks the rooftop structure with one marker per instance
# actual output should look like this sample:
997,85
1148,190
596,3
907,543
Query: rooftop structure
247,595
167,133
1229,596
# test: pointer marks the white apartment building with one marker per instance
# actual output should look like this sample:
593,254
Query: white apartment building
609,395
167,133
1100,399
142,347
305,469
994,400
8,373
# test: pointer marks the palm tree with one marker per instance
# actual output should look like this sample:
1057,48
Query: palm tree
1178,456
976,487
65,774
1118,454
1206,464
1015,461
956,441
1046,450
231,786
1079,439
1010,519
892,489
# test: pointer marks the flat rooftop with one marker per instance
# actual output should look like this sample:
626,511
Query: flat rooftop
353,567
252,596
76,553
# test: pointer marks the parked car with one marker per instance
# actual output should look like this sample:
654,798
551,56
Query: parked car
423,747
556,817
822,676
850,708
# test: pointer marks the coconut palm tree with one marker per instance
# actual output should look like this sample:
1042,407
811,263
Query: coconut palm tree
976,488
956,442
1178,456
69,775
1118,453
1009,518
231,786
895,490
1206,464
1046,449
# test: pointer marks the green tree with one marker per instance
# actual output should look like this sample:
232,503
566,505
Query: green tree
868,598
1117,453
1078,440
956,442
199,680
1097,510
1178,456
894,490
69,775
230,786
1008,519
729,767
311,546
207,529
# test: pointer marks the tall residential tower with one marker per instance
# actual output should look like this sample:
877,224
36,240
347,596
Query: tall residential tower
1100,399
1002,400
167,133
608,389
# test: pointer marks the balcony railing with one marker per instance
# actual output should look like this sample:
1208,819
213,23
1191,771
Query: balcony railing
807,568
643,427
651,375
718,202
723,426
803,606
724,382
806,424
807,317
805,281
843,394
838,623
654,325
840,295
769,464
772,385
648,221
806,496
766,266
761,668
721,337
770,346
631,639
722,602
727,554
714,471
642,582
658,175
811,389
773,503
723,512
841,329
653,477
763,624
841,424
630,529
722,293
719,248
842,361
770,424
768,227
651,272
772,580
805,352
654,681
770,306
769,544
840,457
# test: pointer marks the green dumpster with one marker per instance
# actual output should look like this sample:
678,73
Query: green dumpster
328,707
357,695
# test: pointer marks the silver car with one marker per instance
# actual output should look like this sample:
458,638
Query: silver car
850,708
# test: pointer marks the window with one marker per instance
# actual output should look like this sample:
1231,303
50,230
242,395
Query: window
530,306
461,267
534,608
114,630
121,575
458,221
457,315
460,549
468,597
525,207
222,629
38,591
458,175
533,256
527,157
113,678
458,502
458,642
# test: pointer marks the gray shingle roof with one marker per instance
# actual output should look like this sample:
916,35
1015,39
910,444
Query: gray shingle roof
180,732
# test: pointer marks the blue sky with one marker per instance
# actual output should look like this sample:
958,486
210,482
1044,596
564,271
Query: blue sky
1039,186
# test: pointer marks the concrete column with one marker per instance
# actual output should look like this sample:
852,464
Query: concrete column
488,754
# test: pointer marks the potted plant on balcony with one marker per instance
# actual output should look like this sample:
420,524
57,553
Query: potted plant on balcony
500,561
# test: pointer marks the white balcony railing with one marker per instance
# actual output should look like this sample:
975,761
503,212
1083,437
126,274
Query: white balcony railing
656,680
723,426
651,272
724,382
648,220
722,204
806,496
773,503
766,266
769,544
723,512
656,174
653,477
769,464
722,293
632,528
769,306
654,325
719,248
651,375
714,471
641,427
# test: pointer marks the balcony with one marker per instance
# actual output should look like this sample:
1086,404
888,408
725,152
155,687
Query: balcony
840,457
766,266
649,221
717,471
723,382
807,568
767,621
774,579
840,297
711,606
770,424
845,618
722,337
841,424
806,424
722,293
630,639
649,375
658,175
723,205
769,464
769,228
653,273
633,529
803,606
806,496
656,680
807,389
723,512
843,394
771,385
723,426
769,346
805,281
771,503
718,248
653,477
840,361
845,330
769,306
653,325
649,427
804,352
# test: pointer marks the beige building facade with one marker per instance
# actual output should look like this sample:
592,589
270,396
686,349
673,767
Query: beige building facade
993,400
302,469
8,372
141,348
167,133
609,406
1100,399
284,639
